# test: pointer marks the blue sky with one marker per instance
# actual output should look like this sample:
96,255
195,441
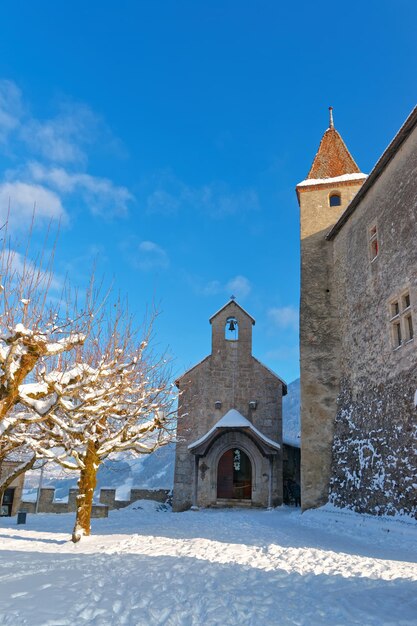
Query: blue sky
168,136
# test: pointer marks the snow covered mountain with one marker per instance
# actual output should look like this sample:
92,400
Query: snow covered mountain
154,471
291,414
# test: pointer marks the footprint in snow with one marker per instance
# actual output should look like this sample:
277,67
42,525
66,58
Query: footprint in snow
117,607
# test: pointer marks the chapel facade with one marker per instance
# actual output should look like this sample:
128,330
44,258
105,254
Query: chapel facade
358,313
229,432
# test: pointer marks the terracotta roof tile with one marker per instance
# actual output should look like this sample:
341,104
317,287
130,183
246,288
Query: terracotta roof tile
332,158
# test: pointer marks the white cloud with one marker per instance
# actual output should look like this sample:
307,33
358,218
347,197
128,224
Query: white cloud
10,108
25,198
212,288
239,286
100,194
284,317
48,140
32,273
61,140
64,137
145,255
169,195
218,201
162,202
151,256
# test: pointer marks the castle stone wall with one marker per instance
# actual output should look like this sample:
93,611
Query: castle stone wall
375,452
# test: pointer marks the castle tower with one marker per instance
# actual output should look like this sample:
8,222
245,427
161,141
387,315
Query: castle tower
332,182
229,433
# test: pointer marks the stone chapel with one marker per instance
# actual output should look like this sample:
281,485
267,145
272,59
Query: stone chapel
229,433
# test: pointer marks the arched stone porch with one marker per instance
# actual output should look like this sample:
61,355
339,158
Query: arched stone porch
262,452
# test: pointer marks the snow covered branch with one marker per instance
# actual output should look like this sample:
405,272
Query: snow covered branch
116,397
40,320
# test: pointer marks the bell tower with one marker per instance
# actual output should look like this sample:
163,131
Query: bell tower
332,182
231,330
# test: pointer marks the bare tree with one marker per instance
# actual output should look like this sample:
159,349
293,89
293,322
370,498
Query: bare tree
39,320
116,397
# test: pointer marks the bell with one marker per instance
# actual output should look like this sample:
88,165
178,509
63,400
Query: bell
232,326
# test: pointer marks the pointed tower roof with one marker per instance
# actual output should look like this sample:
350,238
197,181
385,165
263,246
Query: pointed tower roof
333,159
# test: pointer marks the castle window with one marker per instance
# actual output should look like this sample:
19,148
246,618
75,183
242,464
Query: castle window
373,243
231,329
396,334
335,199
395,308
406,301
401,318
408,323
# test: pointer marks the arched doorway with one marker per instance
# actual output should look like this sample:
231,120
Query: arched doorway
234,475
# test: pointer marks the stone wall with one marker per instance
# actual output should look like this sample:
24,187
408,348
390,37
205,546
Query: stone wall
374,454
47,504
319,336
108,497
107,500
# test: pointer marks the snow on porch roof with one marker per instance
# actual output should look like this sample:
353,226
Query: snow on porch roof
233,419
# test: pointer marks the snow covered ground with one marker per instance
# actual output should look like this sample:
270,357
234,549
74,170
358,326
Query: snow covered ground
212,567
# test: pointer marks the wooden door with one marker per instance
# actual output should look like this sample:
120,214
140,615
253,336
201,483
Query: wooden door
225,475
234,475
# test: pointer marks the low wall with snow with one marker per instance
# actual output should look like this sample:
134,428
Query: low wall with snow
48,504
108,497
107,501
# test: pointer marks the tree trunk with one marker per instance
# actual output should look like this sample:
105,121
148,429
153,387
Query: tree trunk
86,485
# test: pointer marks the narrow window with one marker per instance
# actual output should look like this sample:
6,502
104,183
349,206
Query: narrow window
335,199
397,334
373,243
408,323
395,308
406,301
